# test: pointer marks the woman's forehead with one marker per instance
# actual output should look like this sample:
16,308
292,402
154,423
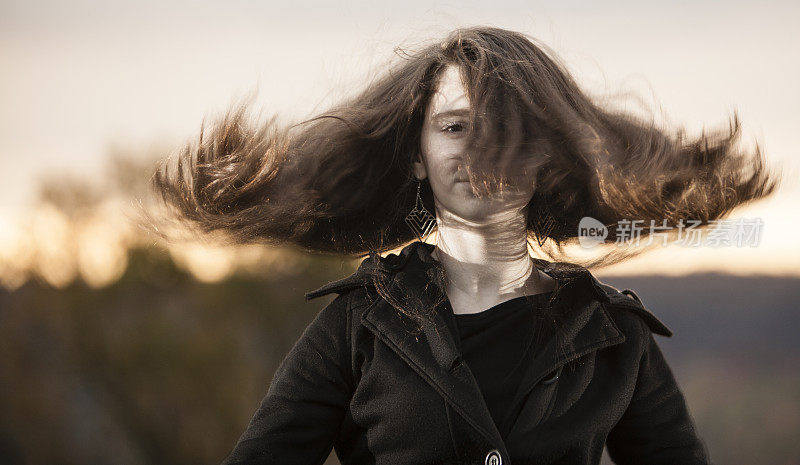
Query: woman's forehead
450,96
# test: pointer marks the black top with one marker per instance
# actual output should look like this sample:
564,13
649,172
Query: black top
494,344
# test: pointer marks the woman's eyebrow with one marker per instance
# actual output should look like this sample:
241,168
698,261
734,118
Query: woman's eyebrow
451,113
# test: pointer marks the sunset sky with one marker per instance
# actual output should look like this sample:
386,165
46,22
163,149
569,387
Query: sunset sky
78,78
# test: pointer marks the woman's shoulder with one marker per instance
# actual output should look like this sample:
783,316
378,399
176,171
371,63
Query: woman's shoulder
351,297
629,311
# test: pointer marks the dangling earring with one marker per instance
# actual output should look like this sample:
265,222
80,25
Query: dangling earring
543,225
419,219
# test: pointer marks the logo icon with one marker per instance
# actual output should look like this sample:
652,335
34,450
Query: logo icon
591,232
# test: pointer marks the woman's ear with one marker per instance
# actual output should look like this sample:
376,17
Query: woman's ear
418,166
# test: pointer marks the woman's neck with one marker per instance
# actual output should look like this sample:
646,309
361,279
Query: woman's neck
487,264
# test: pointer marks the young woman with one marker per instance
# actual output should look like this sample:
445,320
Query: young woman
469,350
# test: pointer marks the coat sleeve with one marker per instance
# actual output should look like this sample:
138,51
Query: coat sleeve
657,427
300,416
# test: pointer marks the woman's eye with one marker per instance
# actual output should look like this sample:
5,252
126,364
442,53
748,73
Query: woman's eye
454,127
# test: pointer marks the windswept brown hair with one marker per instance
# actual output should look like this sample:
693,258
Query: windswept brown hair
341,182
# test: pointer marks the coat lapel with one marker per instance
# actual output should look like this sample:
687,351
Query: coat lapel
588,328
428,346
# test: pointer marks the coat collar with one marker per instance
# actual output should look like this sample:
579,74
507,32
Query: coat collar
429,347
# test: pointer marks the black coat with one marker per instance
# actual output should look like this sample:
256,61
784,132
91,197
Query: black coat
360,380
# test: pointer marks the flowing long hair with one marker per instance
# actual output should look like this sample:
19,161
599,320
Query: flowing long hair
341,182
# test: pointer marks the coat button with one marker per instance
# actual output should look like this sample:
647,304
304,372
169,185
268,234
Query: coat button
493,458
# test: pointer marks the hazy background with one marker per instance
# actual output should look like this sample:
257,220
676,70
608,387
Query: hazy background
114,348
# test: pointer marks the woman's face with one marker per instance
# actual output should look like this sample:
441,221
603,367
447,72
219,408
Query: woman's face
442,147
